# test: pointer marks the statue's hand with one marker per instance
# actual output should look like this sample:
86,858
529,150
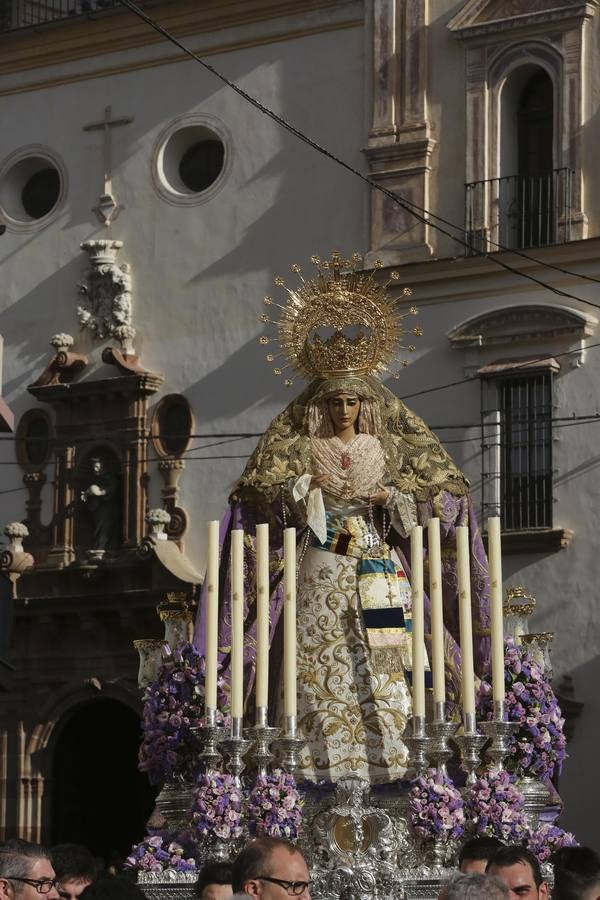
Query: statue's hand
319,481
380,498
83,496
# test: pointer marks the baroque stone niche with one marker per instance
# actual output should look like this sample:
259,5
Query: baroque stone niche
102,420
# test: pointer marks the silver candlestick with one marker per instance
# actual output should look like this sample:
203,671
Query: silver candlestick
235,746
211,735
262,736
440,731
500,732
289,745
470,743
417,740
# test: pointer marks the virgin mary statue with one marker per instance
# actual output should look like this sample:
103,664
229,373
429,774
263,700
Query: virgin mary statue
353,470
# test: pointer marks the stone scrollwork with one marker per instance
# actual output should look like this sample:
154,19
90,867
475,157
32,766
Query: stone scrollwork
106,310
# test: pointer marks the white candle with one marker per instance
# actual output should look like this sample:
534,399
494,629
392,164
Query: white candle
262,616
437,615
466,624
237,624
289,623
212,616
495,561
418,625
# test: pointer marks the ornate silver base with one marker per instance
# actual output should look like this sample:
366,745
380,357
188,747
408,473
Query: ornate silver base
361,845
418,741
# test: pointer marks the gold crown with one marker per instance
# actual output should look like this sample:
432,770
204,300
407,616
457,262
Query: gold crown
366,324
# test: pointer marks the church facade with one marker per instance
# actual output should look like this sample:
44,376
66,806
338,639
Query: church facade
149,207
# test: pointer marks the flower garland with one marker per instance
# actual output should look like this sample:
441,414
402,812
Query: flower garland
275,806
539,746
436,807
217,808
158,852
549,838
173,706
494,808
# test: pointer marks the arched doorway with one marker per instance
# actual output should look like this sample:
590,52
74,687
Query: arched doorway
98,796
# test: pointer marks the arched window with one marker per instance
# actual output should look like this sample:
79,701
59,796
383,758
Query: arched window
530,188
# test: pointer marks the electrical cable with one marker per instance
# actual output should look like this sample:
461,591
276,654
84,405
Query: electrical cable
421,214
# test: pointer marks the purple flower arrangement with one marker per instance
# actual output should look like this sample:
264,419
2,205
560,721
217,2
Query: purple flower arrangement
173,707
159,851
549,838
539,746
275,806
217,808
436,807
494,807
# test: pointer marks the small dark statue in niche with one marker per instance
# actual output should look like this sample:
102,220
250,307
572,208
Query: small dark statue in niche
101,499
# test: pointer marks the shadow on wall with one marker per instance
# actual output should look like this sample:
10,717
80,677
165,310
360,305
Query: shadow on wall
579,785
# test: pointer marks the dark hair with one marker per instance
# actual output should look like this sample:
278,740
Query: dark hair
213,872
512,854
16,857
254,860
112,887
479,848
74,861
576,870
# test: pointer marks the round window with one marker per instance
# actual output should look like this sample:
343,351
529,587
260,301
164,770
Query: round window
191,160
32,186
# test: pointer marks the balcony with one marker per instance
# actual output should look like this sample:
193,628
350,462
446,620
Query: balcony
519,212
17,14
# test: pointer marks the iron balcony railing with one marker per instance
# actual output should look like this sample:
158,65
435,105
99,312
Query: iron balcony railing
519,211
17,14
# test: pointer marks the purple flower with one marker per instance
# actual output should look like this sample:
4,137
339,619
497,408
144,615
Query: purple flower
549,838
217,808
275,806
539,747
436,807
171,713
494,807
162,851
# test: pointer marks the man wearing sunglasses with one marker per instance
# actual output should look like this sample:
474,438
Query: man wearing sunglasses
270,869
26,872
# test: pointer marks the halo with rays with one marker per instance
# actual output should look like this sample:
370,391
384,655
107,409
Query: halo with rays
341,321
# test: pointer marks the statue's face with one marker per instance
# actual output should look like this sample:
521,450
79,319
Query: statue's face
344,410
97,466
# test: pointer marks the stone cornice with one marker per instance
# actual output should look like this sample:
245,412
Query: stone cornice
465,25
57,43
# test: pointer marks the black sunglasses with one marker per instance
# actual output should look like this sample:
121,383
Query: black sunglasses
293,888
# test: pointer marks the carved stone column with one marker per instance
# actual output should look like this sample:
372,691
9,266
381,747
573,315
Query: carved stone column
400,146
62,551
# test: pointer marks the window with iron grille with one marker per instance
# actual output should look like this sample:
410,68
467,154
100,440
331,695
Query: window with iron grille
517,447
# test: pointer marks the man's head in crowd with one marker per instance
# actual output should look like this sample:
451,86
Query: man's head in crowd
476,853
474,886
26,872
75,868
576,874
519,869
270,869
214,882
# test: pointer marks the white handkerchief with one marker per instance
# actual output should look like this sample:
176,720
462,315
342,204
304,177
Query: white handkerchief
315,507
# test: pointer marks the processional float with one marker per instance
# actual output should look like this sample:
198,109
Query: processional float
362,838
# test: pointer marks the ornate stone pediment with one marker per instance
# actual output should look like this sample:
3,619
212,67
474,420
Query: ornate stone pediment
481,16
522,325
